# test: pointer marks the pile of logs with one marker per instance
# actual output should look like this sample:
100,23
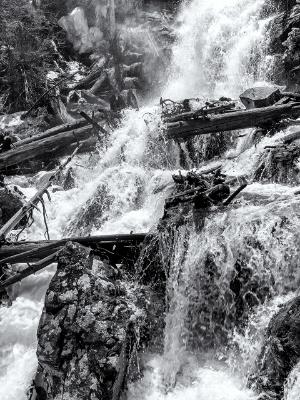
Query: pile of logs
264,108
203,189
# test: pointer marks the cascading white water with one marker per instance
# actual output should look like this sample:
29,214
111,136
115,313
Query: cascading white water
220,51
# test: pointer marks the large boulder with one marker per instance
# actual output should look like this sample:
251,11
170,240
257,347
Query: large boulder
87,336
260,97
280,353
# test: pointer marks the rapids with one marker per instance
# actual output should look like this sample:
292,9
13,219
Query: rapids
220,50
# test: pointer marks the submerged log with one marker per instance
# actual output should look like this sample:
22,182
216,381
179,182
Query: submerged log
53,146
231,121
23,252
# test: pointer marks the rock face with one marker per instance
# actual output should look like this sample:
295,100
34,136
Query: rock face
87,336
284,42
11,200
280,353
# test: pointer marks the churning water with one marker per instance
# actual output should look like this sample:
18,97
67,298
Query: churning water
220,51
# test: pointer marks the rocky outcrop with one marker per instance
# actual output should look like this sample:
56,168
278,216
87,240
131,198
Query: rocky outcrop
284,43
11,200
280,353
89,329
279,165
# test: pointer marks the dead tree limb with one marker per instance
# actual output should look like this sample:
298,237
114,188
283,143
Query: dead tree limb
234,194
24,252
15,219
196,114
95,124
230,121
32,269
54,146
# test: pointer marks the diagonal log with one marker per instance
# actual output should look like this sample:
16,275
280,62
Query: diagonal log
231,121
32,269
54,146
15,219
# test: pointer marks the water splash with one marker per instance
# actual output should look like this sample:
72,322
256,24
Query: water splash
220,49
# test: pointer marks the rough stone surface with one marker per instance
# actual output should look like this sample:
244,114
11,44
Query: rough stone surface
260,97
11,200
88,332
279,165
280,353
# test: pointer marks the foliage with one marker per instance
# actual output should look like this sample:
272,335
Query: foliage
27,53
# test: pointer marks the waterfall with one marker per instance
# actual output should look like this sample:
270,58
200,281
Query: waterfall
220,50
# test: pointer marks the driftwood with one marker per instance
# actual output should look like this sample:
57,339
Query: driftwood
13,222
88,80
94,123
24,252
99,83
198,113
235,193
230,121
32,269
54,146
53,131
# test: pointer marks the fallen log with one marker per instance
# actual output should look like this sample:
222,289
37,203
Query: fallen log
53,131
235,193
24,252
44,149
88,80
23,212
32,269
94,123
198,113
231,121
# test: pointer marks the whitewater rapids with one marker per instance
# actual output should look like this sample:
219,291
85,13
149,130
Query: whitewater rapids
220,50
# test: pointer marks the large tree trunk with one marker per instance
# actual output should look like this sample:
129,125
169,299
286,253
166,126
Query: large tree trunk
50,147
230,121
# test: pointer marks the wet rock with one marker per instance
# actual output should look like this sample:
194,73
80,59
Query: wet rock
279,165
280,353
87,336
260,97
11,200
93,213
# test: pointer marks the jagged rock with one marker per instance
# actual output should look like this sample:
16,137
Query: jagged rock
87,334
11,200
260,97
279,165
280,353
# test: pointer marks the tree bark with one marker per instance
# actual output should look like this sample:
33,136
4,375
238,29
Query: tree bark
23,252
53,146
230,121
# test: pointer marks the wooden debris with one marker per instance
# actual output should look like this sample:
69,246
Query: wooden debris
32,269
117,246
200,113
235,193
231,121
49,147
13,222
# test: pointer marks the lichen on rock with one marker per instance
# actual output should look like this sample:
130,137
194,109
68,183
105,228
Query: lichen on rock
89,329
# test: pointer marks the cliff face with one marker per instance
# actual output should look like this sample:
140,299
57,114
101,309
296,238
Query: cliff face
285,43
89,330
